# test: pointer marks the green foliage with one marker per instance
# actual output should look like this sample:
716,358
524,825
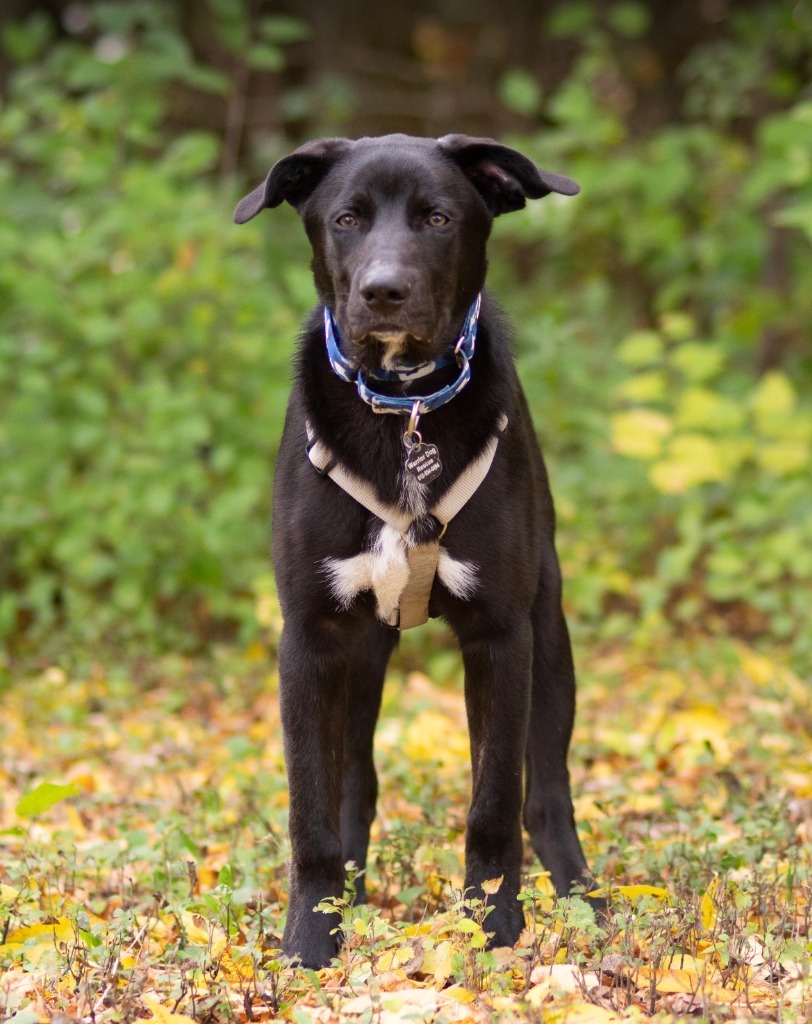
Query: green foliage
656,295
732,459
144,350
145,341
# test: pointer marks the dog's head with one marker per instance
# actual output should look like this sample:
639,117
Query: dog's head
398,227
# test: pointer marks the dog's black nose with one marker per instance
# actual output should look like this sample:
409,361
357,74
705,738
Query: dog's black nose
383,286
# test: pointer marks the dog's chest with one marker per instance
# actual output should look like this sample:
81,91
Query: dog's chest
382,566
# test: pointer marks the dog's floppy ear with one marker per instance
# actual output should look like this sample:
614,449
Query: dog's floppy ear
503,176
293,177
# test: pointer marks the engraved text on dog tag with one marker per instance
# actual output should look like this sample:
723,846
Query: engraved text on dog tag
423,462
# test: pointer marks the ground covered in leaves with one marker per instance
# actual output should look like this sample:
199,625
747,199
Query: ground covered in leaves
143,850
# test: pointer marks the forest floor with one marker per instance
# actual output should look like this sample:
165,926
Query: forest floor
143,850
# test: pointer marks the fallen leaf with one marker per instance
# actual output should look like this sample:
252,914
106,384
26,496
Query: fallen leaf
164,1016
632,892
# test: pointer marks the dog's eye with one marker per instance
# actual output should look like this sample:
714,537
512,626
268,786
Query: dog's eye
437,219
347,220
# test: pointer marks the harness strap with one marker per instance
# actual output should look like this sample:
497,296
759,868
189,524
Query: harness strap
414,601
422,559
361,490
464,487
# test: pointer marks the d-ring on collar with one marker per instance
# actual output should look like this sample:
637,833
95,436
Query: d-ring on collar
462,351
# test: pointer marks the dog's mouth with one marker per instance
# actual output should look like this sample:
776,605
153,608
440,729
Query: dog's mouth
387,346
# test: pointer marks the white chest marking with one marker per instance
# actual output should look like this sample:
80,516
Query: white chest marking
383,569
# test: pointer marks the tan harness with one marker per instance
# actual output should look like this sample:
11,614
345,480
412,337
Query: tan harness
421,558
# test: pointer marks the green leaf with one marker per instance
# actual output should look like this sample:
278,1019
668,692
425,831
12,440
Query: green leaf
283,30
640,348
24,42
520,91
43,798
264,57
629,19
571,19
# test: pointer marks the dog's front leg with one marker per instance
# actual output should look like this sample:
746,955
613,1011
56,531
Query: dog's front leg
312,693
497,696
360,784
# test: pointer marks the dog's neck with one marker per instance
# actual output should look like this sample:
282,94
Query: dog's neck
397,393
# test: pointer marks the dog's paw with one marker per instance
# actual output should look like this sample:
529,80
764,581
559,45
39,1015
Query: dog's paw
314,947
312,956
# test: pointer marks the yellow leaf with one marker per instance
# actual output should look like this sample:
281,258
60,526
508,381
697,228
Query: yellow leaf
438,962
543,884
236,971
460,994
588,1013
164,1016
697,360
692,459
61,930
492,885
686,962
784,458
707,907
391,959
703,409
640,348
47,936
671,980
75,820
774,398
694,730
639,433
200,933
678,325
756,666
421,928
433,736
632,892
643,387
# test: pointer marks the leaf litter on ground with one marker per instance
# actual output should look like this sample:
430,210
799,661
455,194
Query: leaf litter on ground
144,849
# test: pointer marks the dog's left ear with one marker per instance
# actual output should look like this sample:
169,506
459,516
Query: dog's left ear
293,178
503,176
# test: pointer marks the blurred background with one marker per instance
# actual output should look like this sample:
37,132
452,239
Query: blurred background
662,316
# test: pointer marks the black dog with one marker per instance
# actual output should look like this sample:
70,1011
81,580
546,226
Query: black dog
398,227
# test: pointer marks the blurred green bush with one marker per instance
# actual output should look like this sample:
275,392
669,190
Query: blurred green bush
144,353
145,345
665,343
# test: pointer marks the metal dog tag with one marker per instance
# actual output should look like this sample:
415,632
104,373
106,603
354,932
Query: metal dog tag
423,462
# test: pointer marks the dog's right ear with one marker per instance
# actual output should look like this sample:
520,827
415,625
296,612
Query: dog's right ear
293,178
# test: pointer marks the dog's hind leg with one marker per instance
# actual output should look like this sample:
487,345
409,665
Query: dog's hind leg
359,791
548,813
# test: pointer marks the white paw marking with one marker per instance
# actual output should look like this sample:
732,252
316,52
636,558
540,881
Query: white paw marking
383,569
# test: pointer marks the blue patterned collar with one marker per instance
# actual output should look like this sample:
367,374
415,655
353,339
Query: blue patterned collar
460,353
